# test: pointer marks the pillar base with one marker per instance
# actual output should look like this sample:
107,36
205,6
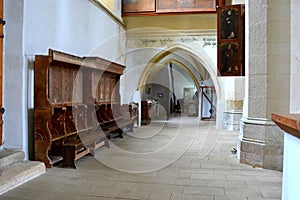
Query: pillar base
232,120
260,144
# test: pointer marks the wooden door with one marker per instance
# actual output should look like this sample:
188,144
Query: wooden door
1,58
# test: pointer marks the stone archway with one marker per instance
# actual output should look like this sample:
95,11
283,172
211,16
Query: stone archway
202,58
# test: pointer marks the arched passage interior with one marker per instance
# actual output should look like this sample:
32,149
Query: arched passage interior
196,64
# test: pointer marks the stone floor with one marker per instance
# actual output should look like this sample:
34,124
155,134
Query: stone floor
178,159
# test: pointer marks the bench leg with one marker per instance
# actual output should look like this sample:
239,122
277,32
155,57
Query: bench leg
120,133
131,127
69,153
106,143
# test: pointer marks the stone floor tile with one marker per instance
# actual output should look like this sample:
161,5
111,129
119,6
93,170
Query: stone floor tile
270,193
226,184
127,194
269,185
197,171
209,176
76,189
189,182
125,186
224,197
214,166
160,196
159,188
216,176
268,179
203,190
232,177
191,197
250,193
22,194
104,192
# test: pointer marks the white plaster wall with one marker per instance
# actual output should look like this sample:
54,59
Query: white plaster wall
136,62
234,88
239,88
13,79
229,87
181,82
163,78
73,26
291,175
295,57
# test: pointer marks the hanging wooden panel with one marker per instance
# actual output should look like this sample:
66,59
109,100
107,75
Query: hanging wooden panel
231,40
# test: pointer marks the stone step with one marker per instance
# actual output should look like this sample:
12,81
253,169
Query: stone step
9,156
18,173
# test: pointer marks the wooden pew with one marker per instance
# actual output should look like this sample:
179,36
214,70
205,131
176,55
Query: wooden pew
73,106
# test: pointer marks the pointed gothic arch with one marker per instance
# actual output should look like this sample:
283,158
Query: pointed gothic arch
198,55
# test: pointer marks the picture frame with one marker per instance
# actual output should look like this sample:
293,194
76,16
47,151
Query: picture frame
231,37
164,6
137,6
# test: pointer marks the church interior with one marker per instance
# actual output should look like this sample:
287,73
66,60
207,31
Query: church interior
149,99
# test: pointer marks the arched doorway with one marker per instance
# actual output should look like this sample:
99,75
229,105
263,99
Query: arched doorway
195,62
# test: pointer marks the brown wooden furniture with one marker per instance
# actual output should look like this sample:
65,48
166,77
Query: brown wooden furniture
167,7
145,118
76,106
231,40
290,123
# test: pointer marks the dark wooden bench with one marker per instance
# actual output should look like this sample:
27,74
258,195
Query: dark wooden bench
68,121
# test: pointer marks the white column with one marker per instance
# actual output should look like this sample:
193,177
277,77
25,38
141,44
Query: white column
267,82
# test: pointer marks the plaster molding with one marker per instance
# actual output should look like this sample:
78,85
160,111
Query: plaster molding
155,32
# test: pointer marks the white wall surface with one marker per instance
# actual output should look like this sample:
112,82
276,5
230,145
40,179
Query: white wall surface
33,26
182,81
74,26
291,166
295,57
13,79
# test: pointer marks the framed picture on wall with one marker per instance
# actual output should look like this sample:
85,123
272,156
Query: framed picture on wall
229,59
231,38
163,6
136,6
229,23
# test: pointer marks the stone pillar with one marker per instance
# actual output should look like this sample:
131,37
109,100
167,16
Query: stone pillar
267,82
